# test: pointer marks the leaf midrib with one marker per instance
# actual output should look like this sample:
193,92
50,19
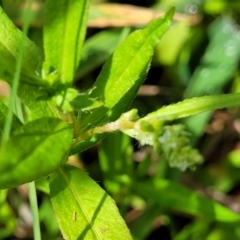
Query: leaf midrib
132,59
71,187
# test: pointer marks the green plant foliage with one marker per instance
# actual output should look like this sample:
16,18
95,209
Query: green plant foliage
38,108
197,230
175,145
64,33
89,213
219,62
141,228
56,105
122,75
116,164
7,218
97,49
167,51
10,43
178,198
83,103
3,112
46,215
188,107
30,159
130,63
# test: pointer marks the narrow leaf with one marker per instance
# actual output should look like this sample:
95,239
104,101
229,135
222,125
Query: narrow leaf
123,74
141,227
64,32
193,106
174,196
34,151
83,209
10,43
116,163
216,69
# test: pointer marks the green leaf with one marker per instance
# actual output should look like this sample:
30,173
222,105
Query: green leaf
63,98
218,64
83,103
123,73
141,227
7,217
64,33
192,106
35,150
97,49
198,229
83,209
3,112
116,163
220,60
222,231
167,51
47,218
38,108
10,43
174,196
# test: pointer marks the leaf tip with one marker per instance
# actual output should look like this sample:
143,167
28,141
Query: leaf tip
169,13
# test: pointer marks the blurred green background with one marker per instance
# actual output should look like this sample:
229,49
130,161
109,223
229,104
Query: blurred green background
198,56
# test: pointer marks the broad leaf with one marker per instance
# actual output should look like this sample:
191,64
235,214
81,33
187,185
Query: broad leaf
10,42
83,209
35,150
174,196
64,32
123,74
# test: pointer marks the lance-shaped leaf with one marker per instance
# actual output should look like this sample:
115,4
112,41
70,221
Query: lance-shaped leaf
192,106
123,74
174,196
11,40
83,209
64,32
34,151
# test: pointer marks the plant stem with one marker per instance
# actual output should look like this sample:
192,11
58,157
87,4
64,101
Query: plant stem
9,118
34,207
117,125
16,78
32,188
